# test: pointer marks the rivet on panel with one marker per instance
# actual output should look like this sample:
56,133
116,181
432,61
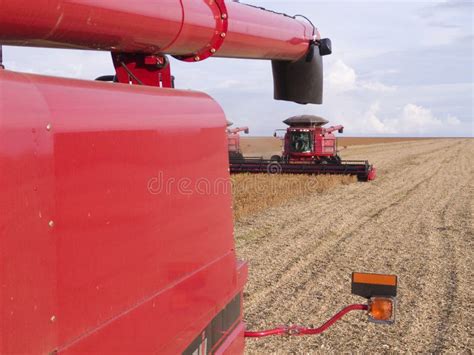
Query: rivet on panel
52,319
197,59
223,34
49,126
51,224
213,50
224,16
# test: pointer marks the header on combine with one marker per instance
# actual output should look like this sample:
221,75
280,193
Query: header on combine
308,148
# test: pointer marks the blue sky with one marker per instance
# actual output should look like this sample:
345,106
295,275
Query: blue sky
398,68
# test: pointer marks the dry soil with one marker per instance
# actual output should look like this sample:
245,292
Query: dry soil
415,221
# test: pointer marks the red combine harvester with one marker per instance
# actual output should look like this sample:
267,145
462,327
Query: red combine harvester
233,139
108,244
307,141
308,148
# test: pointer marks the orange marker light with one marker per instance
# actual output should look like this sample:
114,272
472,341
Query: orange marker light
382,309
380,290
374,279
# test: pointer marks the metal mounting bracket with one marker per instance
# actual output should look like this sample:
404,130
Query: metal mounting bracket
143,69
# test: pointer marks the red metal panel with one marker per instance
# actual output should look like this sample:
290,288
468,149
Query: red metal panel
327,142
177,27
28,259
235,343
105,240
255,33
167,322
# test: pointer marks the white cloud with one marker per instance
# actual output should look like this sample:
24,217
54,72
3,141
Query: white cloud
373,123
420,120
411,120
376,86
452,120
342,78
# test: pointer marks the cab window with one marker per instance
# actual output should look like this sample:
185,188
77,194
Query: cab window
301,142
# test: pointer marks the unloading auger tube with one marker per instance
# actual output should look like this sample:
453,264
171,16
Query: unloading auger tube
139,33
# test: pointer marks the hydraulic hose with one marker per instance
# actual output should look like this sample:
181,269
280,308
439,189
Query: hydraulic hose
299,330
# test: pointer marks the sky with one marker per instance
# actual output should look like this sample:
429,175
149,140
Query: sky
398,68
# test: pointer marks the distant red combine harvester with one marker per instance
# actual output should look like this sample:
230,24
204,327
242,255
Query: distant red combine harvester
308,148
95,257
306,140
233,140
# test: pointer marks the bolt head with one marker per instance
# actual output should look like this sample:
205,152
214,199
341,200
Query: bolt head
197,59
223,34
213,50
224,16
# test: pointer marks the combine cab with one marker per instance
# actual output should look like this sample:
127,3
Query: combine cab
308,148
307,141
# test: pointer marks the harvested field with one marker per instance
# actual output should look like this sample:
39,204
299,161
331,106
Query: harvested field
351,141
415,221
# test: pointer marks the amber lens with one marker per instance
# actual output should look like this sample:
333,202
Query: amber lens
381,308
374,279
